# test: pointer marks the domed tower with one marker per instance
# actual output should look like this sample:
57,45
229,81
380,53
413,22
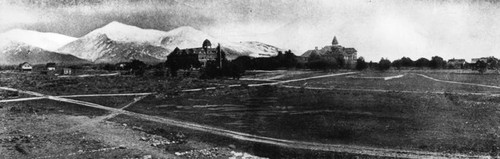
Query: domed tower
206,45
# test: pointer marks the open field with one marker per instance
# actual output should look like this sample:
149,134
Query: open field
451,122
443,123
99,85
487,79
409,82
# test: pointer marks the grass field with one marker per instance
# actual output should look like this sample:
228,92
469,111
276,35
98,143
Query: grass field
431,122
487,79
410,82
45,106
452,121
114,84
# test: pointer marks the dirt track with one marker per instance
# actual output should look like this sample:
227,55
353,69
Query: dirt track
462,83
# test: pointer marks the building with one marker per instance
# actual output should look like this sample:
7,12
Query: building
475,60
197,57
334,51
456,63
67,71
25,66
50,66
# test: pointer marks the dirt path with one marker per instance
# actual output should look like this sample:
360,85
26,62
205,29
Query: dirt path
105,95
389,91
89,75
268,140
384,78
77,95
462,83
273,83
21,99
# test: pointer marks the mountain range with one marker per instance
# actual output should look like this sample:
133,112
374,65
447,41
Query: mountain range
115,42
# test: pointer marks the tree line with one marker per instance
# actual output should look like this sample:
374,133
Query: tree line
435,62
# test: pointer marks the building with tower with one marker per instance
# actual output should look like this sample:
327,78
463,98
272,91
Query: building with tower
196,57
335,51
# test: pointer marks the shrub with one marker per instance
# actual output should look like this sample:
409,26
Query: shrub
384,64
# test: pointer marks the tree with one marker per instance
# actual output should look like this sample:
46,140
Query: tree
384,64
109,67
361,64
481,66
245,62
290,60
493,63
407,62
371,65
138,67
422,62
314,57
397,64
437,62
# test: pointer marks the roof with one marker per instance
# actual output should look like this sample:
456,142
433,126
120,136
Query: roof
459,60
335,42
50,64
207,43
24,63
350,50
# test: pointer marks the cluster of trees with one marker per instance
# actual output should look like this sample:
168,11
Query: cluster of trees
335,60
435,62
286,60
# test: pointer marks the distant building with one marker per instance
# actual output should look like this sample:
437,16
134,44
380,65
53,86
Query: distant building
456,63
67,71
199,55
25,66
334,51
121,65
475,60
50,66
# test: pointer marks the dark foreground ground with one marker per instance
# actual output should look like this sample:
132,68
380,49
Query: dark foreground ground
413,113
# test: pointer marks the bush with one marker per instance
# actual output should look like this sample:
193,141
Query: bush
384,64
322,64
422,62
437,62
361,64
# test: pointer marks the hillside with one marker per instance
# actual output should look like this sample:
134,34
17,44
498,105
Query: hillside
100,48
16,53
46,41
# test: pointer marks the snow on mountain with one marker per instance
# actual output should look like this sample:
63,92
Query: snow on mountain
13,53
189,37
186,37
99,48
252,49
127,33
120,42
46,41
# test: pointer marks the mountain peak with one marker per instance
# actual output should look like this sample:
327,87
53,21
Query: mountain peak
117,26
184,30
44,40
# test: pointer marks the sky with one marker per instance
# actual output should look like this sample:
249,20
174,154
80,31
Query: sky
376,28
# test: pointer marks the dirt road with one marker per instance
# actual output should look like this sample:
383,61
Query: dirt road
462,83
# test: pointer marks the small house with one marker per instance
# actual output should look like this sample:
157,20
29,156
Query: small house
475,60
122,65
50,66
67,71
25,66
456,63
